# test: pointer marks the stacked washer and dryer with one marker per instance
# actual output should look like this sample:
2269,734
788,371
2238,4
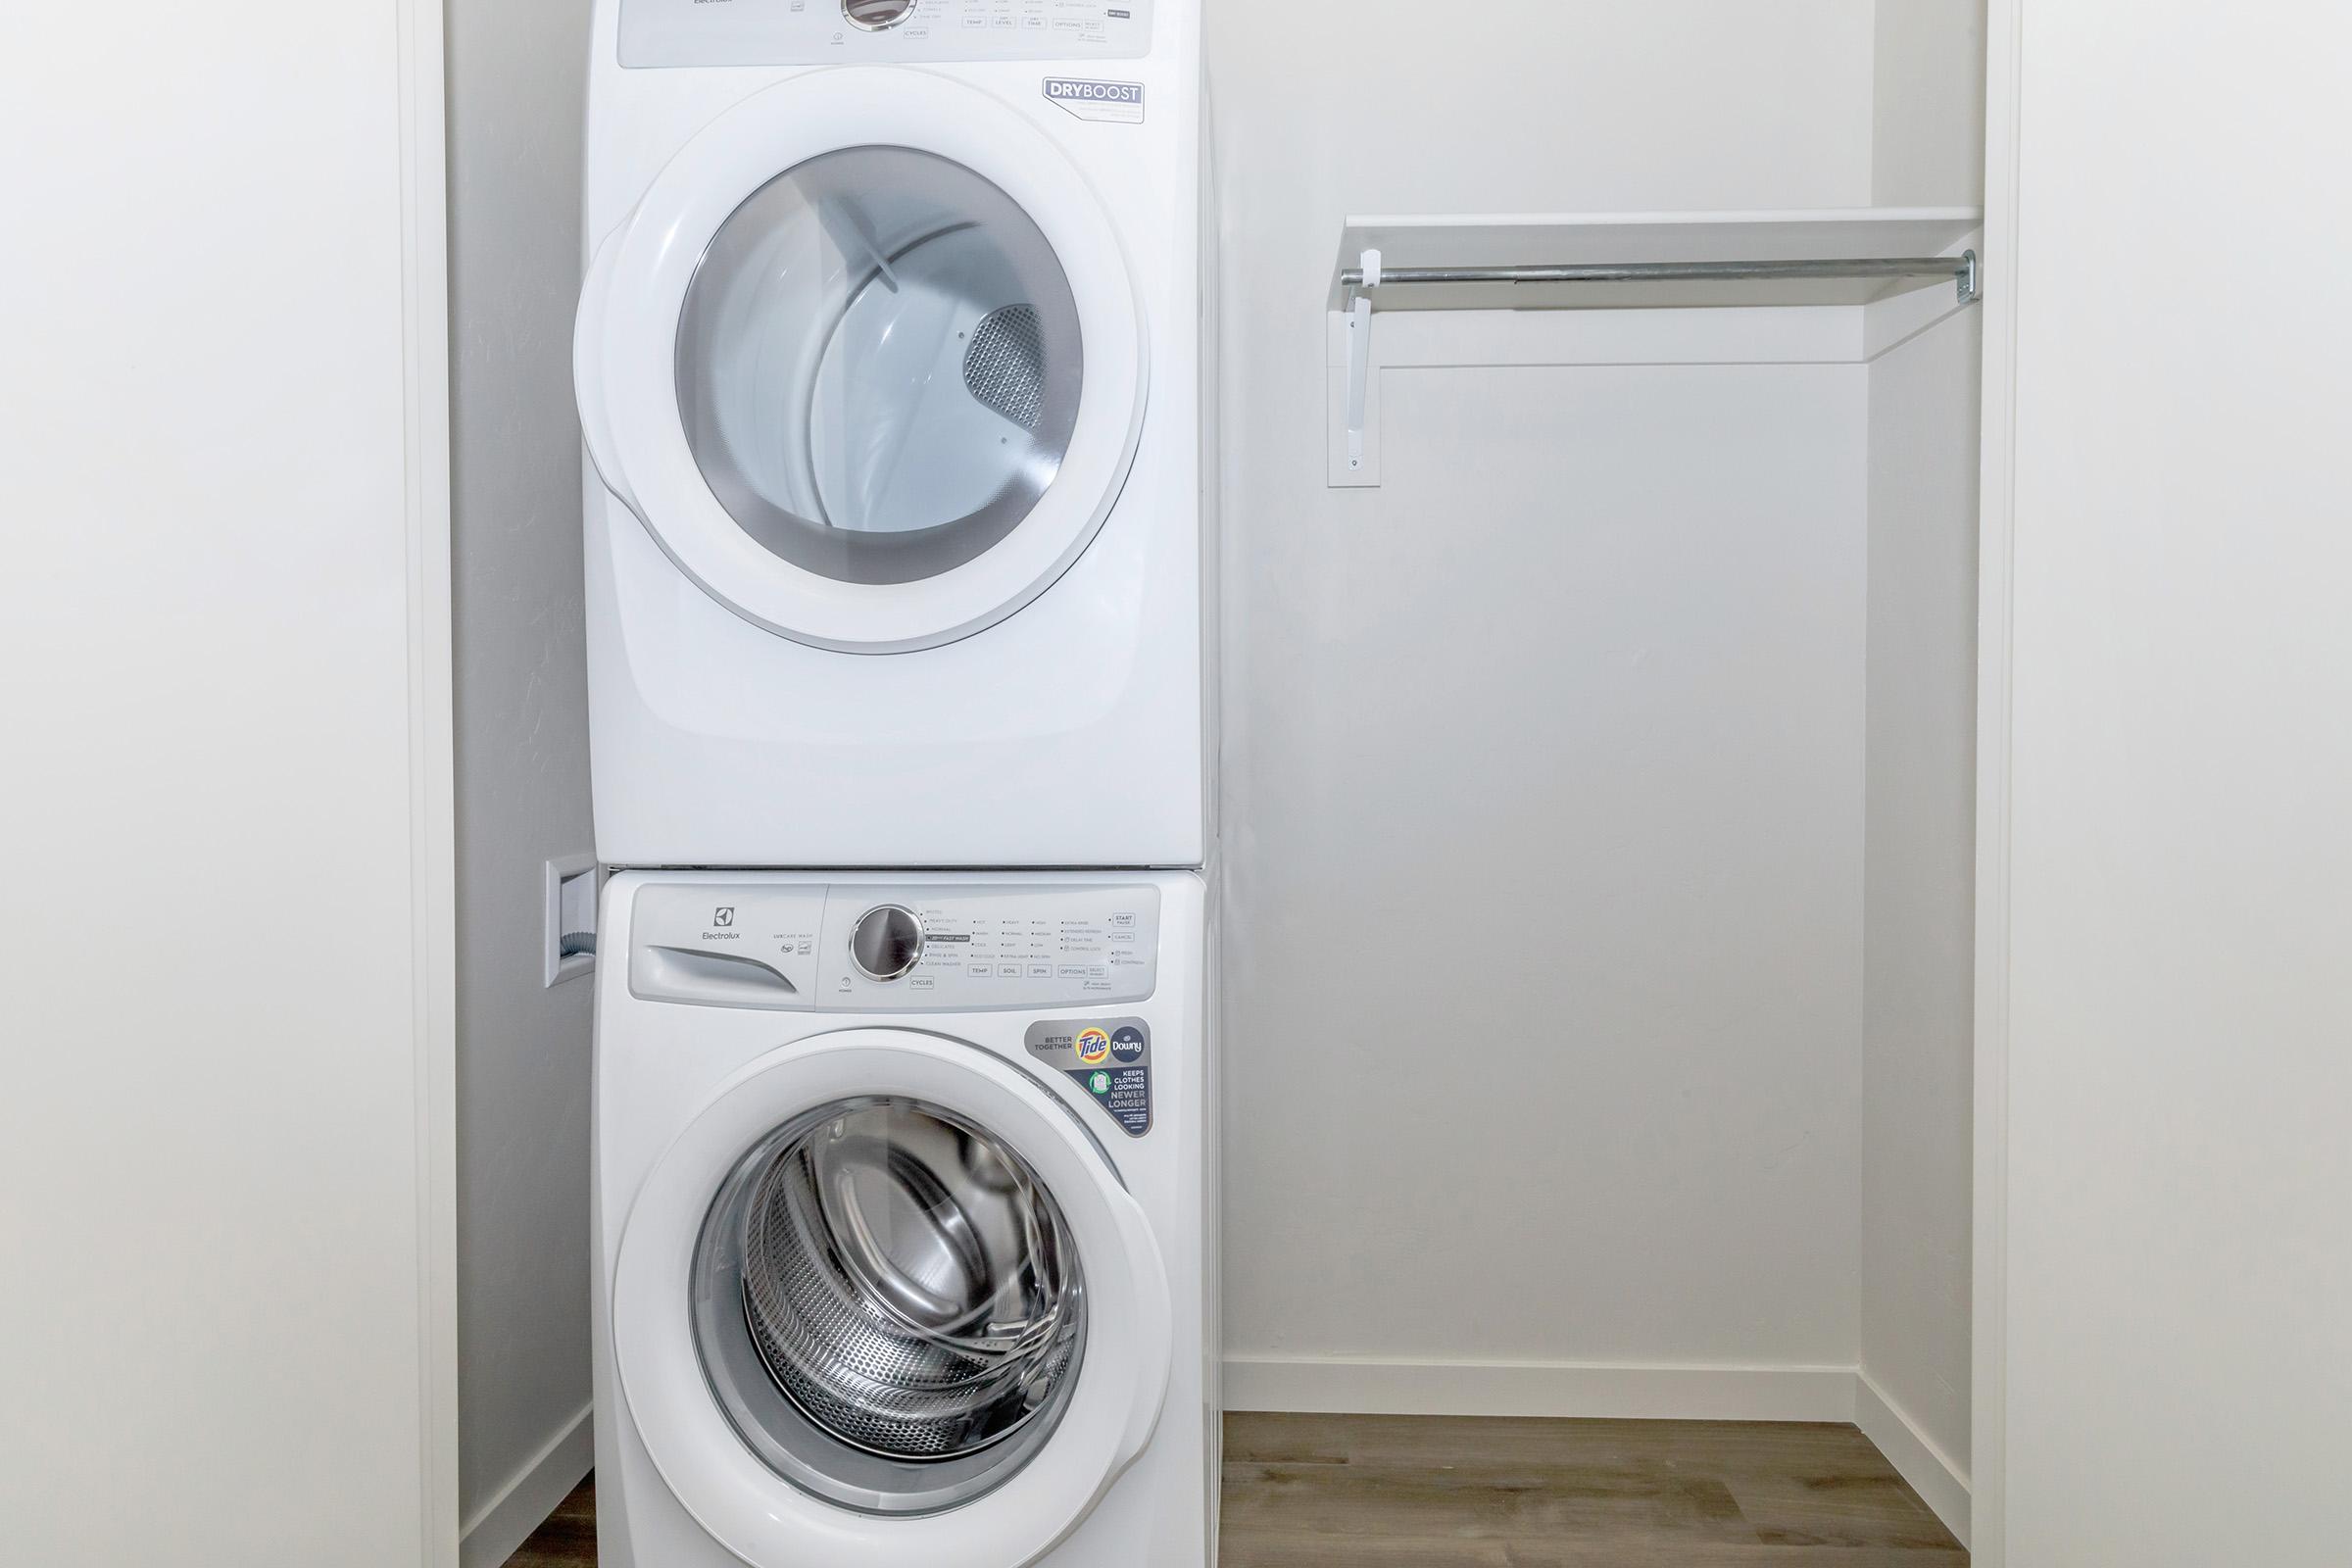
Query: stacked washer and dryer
891,366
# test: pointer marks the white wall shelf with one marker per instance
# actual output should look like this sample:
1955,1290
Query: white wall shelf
1885,246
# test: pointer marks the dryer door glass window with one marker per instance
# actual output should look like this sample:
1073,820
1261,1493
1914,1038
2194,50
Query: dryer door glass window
879,364
889,1307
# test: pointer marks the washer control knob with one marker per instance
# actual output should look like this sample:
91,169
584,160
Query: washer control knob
877,16
888,942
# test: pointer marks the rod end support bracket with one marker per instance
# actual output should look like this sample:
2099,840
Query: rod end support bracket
1971,278
1359,357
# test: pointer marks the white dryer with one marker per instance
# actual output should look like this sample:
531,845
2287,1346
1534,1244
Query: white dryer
889,362
904,1224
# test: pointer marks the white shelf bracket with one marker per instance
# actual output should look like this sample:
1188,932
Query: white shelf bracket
1360,359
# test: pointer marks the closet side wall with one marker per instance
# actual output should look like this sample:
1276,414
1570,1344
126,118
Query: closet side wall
224,936
1919,899
1927,150
2178,1251
517,75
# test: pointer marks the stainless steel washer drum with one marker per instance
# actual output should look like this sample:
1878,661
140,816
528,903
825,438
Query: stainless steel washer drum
889,1306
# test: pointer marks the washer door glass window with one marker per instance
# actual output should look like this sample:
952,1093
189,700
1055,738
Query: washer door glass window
889,1307
879,366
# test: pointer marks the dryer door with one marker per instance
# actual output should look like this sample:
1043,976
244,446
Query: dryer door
886,1301
868,359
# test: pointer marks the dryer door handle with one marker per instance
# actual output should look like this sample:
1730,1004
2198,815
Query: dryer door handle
588,338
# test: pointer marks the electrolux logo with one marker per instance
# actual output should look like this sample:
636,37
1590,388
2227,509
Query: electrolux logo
1118,103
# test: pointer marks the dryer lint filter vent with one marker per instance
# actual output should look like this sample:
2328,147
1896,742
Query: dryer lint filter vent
1004,367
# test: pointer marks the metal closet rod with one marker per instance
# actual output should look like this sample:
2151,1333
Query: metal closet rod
1962,269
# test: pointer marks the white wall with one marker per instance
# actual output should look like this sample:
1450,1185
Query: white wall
1552,856
1543,825
222,659
2178,1251
1920,881
516,76
1928,119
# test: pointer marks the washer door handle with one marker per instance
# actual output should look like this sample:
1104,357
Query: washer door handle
1157,1313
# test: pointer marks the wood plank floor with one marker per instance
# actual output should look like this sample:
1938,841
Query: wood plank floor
568,1538
1370,1492
1423,1492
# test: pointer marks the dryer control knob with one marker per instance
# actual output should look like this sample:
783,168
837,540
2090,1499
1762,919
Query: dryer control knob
888,942
877,15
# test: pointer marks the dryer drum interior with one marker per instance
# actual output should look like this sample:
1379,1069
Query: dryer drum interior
890,1305
879,364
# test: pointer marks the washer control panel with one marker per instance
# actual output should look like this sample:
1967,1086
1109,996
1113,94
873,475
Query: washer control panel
809,33
881,948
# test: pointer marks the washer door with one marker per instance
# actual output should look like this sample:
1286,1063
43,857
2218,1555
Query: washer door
868,359
886,1301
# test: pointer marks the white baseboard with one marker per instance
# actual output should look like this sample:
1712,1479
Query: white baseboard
523,1503
1368,1385
1941,1483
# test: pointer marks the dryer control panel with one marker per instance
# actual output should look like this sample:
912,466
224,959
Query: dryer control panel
880,948
811,32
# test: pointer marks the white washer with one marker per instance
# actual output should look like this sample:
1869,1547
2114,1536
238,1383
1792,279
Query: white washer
904,1222
890,364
